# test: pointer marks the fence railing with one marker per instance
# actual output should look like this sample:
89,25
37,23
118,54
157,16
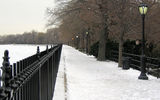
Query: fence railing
152,64
32,78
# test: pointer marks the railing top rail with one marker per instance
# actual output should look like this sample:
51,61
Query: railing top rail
131,54
152,64
153,58
124,53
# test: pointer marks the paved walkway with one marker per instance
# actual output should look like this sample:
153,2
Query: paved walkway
82,77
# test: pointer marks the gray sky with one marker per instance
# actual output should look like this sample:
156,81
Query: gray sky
18,16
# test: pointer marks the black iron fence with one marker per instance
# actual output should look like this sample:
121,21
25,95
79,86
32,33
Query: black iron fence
32,78
152,64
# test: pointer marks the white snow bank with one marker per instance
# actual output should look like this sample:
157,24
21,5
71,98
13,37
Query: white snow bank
89,79
59,93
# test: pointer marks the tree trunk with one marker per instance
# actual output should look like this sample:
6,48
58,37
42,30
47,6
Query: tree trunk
89,42
102,47
120,50
83,46
120,53
104,34
82,42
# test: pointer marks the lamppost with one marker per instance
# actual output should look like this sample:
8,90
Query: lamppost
143,10
77,38
87,33
73,42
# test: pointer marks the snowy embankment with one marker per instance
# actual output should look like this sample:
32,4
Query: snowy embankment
82,77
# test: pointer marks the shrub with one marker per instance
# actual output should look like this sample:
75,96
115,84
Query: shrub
156,52
129,46
110,45
94,49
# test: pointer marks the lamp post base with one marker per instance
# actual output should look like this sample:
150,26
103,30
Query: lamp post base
143,76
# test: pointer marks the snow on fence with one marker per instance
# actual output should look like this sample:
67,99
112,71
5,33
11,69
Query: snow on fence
152,64
32,78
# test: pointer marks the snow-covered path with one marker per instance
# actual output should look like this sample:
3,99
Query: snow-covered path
82,77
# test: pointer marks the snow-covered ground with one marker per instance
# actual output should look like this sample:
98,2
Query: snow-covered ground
82,77
18,52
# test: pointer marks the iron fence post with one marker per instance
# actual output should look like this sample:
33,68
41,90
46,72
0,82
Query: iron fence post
25,80
6,76
39,72
48,96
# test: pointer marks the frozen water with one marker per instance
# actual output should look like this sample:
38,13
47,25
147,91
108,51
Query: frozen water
19,52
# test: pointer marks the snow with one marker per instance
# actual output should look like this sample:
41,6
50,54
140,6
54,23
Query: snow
82,77
19,52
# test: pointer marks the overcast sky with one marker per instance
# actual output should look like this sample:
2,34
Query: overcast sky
18,16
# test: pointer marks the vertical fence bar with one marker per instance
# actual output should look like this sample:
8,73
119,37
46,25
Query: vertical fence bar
39,84
29,89
3,95
39,73
48,81
51,80
15,73
27,85
24,86
54,70
53,64
18,71
21,88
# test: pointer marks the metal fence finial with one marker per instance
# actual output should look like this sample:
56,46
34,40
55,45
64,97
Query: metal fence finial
38,53
6,74
38,50
7,70
47,49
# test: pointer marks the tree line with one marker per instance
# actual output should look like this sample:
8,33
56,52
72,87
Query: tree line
104,19
33,37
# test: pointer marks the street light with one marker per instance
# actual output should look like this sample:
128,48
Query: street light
73,42
143,10
77,37
87,33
